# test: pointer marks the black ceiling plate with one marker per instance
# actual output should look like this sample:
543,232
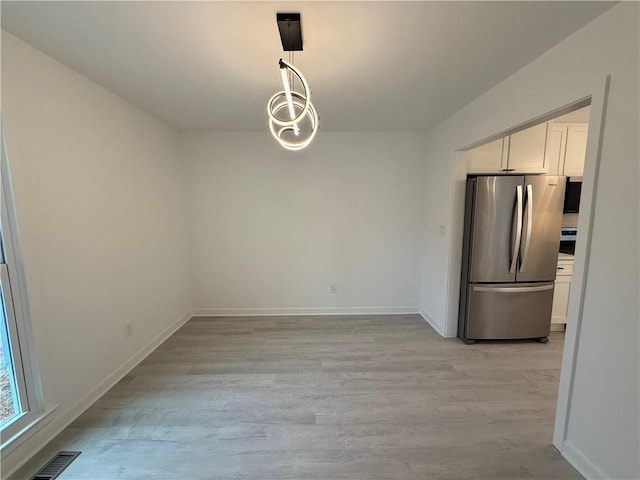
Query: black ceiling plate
290,31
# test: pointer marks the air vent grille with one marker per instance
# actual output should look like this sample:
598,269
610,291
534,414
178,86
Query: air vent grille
55,466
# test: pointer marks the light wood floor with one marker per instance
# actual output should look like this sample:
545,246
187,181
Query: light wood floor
367,397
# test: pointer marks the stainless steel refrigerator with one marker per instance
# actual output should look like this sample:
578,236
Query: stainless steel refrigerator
510,255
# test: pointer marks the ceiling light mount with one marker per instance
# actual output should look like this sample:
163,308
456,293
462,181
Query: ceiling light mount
290,31
301,126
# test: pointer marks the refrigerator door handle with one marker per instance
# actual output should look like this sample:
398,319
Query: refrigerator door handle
513,289
527,240
517,223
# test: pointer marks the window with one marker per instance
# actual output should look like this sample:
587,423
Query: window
21,405
12,399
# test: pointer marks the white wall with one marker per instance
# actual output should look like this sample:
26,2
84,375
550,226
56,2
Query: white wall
602,435
270,230
99,199
99,196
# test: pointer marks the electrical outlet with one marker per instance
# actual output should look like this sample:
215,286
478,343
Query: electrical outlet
333,288
443,230
128,330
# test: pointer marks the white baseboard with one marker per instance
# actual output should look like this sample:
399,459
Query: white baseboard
295,311
581,463
63,418
432,321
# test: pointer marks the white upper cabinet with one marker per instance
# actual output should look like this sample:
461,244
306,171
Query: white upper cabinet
522,152
488,158
566,147
554,152
526,150
575,150
551,148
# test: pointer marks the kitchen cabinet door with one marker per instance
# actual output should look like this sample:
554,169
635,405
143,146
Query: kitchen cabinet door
554,150
488,158
575,150
562,288
527,150
560,304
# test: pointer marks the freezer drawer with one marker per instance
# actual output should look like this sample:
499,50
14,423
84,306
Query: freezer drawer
502,311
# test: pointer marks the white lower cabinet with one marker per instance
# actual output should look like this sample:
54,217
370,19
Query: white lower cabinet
561,293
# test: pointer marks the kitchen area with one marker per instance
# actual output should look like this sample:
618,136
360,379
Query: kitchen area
521,216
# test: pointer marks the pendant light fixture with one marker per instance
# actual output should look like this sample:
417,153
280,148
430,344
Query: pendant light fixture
293,120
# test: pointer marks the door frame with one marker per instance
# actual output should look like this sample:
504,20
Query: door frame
597,118
597,121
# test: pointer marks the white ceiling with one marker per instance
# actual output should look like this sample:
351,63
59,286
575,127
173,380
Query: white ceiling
371,65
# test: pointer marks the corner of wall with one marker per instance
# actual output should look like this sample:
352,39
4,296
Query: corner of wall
62,419
581,462
436,325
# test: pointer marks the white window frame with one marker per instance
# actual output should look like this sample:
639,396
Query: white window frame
18,322
13,354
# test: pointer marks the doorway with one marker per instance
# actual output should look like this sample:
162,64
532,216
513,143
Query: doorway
596,112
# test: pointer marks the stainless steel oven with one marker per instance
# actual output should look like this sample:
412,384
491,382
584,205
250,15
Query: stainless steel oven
568,240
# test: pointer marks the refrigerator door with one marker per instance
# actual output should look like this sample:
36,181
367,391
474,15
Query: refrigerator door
501,311
494,229
543,201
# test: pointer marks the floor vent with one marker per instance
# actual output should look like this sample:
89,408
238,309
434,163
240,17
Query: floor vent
55,466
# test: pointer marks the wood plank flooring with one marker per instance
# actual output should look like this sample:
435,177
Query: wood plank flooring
356,397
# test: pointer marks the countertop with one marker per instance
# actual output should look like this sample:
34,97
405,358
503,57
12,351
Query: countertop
565,256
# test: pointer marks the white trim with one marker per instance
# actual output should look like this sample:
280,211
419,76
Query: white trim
576,458
33,416
577,293
456,237
17,280
598,94
437,326
14,359
64,418
25,433
296,311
